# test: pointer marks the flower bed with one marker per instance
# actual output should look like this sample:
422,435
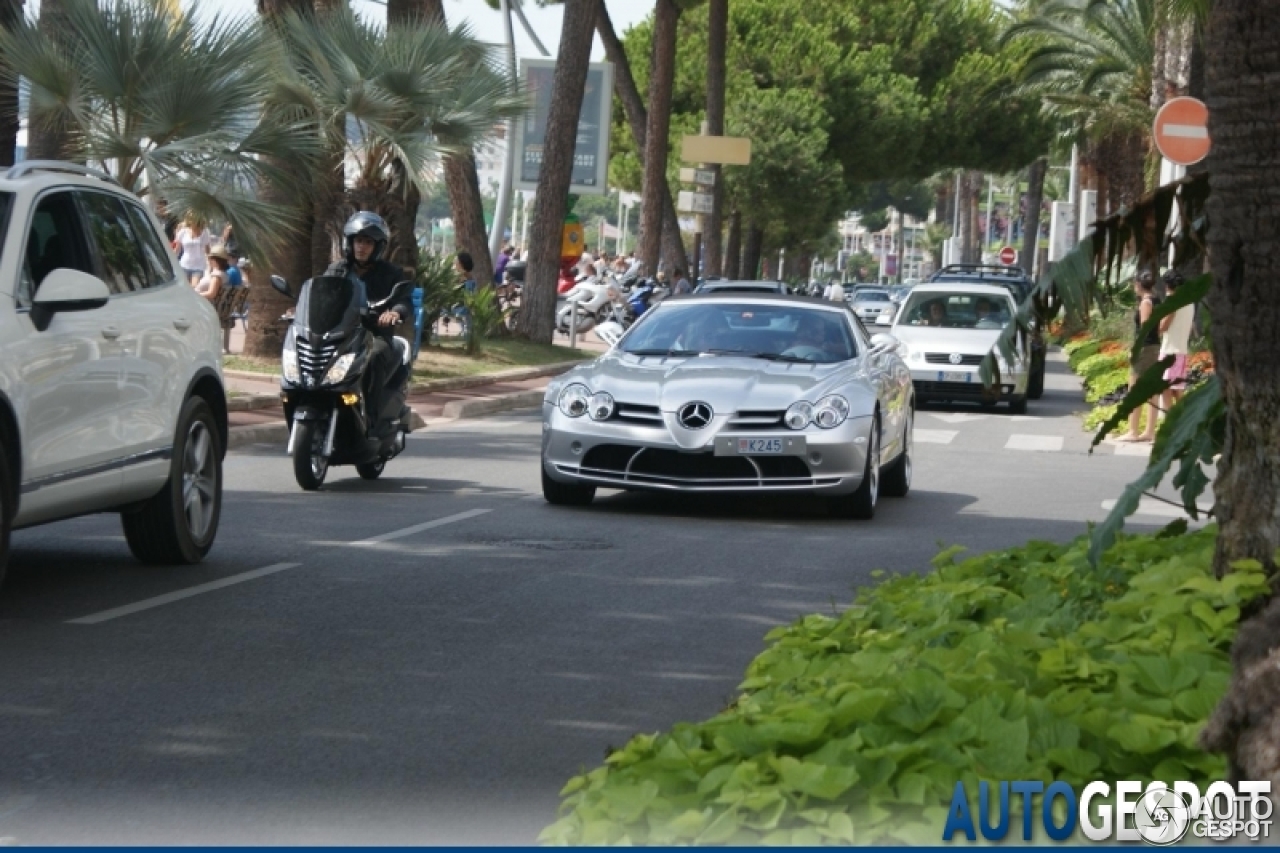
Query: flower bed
1020,664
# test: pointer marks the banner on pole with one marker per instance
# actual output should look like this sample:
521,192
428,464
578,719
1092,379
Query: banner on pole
591,153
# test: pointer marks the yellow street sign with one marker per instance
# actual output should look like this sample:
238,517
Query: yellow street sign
727,150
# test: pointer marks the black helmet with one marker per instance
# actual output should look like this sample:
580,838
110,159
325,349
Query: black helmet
366,224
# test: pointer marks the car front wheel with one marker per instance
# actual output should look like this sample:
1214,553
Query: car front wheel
7,510
566,494
178,525
896,480
862,503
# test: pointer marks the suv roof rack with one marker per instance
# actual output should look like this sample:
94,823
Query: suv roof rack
26,167
981,271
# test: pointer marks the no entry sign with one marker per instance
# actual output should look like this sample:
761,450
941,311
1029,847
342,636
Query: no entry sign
1008,256
1182,131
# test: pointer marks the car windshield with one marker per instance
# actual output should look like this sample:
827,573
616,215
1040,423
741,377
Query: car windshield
956,310
794,333
871,296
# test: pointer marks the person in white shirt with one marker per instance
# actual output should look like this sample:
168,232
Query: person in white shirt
1175,340
193,240
835,292
587,263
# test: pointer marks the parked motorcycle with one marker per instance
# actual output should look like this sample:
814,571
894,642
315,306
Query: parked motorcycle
323,380
587,301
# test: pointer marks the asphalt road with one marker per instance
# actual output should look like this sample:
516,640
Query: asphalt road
428,658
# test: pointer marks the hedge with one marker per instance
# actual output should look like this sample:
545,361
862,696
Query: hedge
1019,664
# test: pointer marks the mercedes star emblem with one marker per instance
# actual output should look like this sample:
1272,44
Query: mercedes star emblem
694,415
956,358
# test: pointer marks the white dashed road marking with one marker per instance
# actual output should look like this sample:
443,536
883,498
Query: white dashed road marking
418,528
1040,443
933,436
1146,506
1133,448
170,597
956,417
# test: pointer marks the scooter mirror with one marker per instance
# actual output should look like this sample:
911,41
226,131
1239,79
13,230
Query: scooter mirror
281,285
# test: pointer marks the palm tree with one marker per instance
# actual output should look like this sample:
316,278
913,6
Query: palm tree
1244,302
1092,63
10,16
162,104
389,103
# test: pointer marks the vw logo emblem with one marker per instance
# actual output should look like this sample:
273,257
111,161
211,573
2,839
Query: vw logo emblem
694,415
956,358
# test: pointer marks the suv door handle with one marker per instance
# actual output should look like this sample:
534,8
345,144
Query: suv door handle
111,332
182,324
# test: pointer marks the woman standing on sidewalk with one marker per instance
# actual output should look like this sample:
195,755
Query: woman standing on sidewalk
1148,355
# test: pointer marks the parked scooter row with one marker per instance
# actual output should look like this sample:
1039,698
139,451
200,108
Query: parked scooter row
596,301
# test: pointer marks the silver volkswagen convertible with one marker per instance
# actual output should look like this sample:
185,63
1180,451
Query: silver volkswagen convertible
735,392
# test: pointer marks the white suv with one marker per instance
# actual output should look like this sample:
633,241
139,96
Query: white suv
111,396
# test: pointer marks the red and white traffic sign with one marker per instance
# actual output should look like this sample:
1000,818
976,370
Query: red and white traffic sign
1008,256
1182,131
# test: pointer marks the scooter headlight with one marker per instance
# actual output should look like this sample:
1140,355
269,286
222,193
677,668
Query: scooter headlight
338,371
289,364
575,400
601,406
798,416
831,411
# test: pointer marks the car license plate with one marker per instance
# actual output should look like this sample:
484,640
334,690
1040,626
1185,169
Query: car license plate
954,377
762,446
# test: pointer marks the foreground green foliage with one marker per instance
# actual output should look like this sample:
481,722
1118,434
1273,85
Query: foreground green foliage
1022,664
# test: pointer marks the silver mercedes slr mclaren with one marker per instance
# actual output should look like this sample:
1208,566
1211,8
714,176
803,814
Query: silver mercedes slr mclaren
735,393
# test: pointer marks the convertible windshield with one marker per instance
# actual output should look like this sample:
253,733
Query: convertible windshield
957,310
786,333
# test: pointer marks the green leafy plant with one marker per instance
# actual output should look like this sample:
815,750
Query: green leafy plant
484,315
441,288
1027,664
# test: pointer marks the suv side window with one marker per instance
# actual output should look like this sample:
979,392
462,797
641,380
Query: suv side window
153,251
54,240
119,255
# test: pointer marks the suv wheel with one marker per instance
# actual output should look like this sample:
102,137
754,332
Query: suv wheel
178,525
7,489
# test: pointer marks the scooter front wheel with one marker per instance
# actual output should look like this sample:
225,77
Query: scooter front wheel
309,463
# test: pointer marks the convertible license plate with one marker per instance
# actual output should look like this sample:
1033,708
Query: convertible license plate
954,376
735,446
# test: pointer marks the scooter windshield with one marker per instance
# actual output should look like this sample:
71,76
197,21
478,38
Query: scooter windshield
329,303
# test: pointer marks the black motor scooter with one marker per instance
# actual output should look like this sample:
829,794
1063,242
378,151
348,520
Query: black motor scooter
323,382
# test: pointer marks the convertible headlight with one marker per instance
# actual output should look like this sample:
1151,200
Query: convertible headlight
575,399
601,406
831,411
340,367
289,364
798,416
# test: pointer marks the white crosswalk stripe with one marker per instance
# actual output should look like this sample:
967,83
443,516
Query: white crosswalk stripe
1136,448
1039,443
934,436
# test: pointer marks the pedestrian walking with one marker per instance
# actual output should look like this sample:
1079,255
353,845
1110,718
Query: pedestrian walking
1148,355
682,284
504,258
192,241
1175,340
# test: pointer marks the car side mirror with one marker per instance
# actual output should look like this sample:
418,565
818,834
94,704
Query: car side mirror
882,343
67,290
281,285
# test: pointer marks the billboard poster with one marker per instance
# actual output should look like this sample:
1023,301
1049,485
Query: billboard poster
591,153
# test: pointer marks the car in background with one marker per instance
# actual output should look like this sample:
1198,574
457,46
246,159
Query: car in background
1019,283
725,285
947,329
111,395
870,301
733,392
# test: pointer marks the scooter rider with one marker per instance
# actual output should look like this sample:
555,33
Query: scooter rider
365,238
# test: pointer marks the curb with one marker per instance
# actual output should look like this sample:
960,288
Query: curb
516,374
460,409
252,402
257,434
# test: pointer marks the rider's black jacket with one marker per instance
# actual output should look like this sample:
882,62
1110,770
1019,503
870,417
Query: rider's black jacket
378,281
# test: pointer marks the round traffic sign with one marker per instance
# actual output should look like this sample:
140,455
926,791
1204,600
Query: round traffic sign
1008,256
1182,131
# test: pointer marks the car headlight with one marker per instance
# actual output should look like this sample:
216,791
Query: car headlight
289,364
575,400
601,406
798,416
340,367
831,411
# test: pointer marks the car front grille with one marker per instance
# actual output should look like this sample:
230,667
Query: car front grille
636,414
314,359
963,389
629,466
761,419
945,358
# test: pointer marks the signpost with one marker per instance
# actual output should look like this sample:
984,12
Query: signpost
1008,256
591,152
1181,131
687,202
721,150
